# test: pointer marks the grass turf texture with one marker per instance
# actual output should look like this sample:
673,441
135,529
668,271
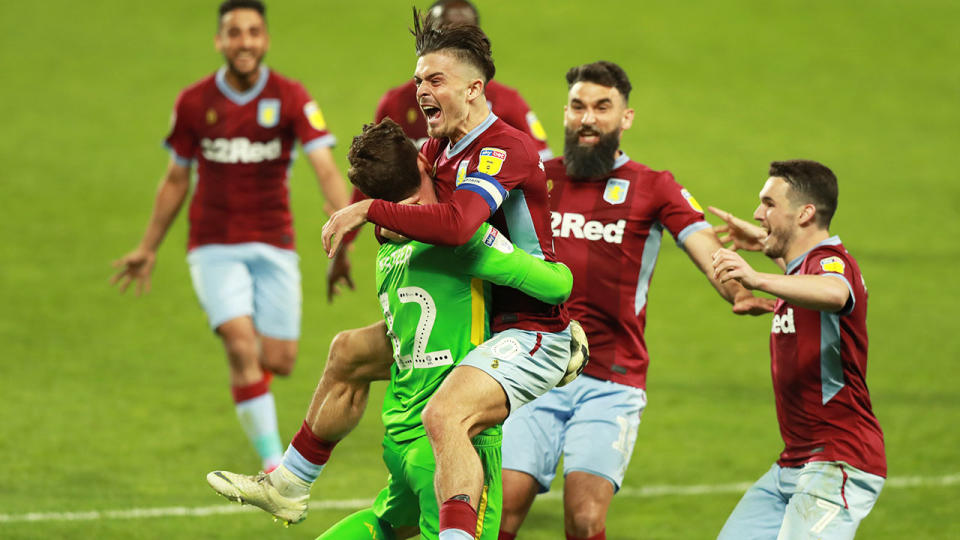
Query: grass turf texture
116,402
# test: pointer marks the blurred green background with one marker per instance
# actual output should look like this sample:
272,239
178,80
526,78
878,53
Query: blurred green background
118,403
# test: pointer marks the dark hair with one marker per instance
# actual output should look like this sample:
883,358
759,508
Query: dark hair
812,183
229,5
383,162
603,73
466,41
440,10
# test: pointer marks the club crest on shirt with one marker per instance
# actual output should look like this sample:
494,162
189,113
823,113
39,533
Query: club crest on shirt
461,171
412,115
491,160
832,264
312,111
211,116
616,191
268,112
691,201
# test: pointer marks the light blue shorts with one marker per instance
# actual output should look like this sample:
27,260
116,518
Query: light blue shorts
250,279
592,421
527,364
821,499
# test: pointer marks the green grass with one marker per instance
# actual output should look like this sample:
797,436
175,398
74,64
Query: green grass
118,402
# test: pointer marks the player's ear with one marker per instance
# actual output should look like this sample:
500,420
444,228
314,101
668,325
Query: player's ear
475,90
807,214
627,120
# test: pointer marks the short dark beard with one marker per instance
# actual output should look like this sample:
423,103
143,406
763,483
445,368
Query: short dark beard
590,161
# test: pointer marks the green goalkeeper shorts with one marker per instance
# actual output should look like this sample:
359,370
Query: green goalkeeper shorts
409,499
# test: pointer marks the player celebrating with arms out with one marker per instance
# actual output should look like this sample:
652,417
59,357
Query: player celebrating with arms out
833,466
484,169
240,125
609,213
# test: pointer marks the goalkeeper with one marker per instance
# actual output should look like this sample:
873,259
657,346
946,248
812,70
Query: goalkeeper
434,302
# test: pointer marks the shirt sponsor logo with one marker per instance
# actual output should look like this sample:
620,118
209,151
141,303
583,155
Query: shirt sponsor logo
616,191
691,201
240,150
491,160
570,224
832,264
783,324
312,111
268,112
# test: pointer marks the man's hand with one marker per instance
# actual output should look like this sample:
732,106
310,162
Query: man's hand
342,222
748,304
134,266
728,265
743,234
338,273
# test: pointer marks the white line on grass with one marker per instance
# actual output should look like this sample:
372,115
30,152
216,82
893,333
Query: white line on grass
350,504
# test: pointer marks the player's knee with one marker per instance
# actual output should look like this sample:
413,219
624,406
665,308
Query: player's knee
434,421
241,349
341,359
585,520
281,360
354,362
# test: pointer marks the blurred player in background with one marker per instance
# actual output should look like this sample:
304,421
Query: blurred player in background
240,126
608,216
400,104
833,466
433,300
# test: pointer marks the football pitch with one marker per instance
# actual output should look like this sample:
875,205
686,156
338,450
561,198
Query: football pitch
115,407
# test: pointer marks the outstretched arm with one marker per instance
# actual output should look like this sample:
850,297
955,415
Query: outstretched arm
488,255
446,224
335,193
700,247
137,265
817,292
332,186
741,234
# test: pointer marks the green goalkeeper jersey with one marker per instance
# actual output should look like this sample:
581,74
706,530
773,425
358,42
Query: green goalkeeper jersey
435,300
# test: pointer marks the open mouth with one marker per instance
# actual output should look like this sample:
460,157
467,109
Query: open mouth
430,112
588,136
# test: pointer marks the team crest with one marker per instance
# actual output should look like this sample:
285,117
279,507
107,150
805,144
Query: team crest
691,201
616,191
491,160
211,116
461,171
312,111
412,115
268,112
832,264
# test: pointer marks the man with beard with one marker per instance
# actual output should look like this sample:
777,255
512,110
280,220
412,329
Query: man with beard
833,464
608,218
240,126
